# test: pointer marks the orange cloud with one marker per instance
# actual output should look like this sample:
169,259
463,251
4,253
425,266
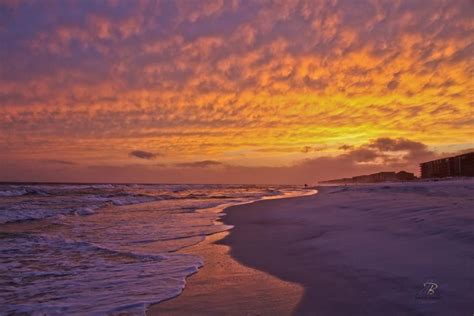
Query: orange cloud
208,81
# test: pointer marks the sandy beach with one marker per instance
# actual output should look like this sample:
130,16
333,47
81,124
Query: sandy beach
355,250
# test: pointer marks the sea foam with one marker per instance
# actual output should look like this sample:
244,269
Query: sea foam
105,249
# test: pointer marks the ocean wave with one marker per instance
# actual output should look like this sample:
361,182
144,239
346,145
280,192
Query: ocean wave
20,192
116,281
80,200
9,216
86,211
103,251
28,213
31,209
7,193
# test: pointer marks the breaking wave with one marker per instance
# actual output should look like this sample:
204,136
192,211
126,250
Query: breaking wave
106,248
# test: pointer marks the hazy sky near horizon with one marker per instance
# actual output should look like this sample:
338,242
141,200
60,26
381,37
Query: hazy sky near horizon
231,91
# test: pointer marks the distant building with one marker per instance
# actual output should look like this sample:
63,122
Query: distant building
377,177
405,176
458,166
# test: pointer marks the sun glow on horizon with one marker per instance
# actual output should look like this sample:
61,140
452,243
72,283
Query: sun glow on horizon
232,90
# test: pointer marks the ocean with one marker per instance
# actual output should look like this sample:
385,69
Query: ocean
70,249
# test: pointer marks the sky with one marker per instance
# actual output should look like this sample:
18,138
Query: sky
232,91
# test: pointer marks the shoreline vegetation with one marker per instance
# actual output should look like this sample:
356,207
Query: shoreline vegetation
355,249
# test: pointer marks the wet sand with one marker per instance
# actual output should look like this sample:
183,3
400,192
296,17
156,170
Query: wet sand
346,251
223,286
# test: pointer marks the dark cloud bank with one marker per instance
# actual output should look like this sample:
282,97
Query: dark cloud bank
200,164
143,154
382,154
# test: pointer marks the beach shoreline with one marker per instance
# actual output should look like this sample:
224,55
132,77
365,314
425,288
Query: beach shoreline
358,250
222,282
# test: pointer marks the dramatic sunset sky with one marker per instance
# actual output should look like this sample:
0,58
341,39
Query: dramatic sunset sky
232,91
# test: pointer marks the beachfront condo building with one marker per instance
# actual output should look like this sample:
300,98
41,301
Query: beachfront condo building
457,166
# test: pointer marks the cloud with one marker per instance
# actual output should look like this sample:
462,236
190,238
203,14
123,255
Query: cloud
389,144
308,149
143,154
346,147
60,162
200,164
377,155
206,79
393,84
411,150
361,159
363,155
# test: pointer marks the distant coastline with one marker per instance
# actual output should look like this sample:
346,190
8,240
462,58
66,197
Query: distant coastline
386,176
449,167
